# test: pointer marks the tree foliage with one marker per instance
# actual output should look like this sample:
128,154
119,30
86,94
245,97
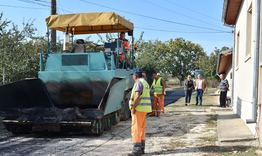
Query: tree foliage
177,57
209,63
19,50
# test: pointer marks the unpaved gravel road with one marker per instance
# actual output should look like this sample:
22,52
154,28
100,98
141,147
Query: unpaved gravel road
164,136
181,130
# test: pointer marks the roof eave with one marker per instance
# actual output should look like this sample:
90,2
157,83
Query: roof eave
224,53
224,11
230,18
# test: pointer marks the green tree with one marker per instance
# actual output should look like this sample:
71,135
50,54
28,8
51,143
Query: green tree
209,63
18,50
182,57
177,57
146,58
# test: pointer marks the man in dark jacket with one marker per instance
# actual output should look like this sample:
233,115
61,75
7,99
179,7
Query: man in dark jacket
223,86
189,87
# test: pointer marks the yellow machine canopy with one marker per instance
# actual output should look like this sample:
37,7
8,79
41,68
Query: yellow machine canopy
89,23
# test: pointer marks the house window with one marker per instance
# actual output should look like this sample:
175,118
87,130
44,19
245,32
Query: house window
237,49
249,31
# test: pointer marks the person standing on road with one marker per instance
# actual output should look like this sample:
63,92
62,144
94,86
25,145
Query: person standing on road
140,105
189,87
223,87
201,87
158,86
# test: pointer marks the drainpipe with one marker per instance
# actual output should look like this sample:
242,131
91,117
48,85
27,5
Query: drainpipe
233,68
256,63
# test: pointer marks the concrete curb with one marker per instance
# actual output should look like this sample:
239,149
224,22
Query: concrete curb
240,139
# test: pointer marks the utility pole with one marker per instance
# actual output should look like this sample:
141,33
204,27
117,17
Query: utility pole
53,32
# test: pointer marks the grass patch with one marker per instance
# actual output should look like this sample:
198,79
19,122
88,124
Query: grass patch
212,121
248,152
210,139
176,144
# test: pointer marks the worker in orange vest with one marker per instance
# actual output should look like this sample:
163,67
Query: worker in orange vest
158,86
125,43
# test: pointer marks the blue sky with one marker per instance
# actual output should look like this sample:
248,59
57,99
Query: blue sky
203,16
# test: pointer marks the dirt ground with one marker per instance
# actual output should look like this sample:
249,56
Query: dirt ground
181,130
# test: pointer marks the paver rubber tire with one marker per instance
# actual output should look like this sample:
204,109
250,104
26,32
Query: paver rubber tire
97,127
116,118
107,123
125,111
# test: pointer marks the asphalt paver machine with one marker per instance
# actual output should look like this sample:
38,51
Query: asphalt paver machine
75,92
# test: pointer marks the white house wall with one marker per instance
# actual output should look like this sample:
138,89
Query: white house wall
229,79
243,78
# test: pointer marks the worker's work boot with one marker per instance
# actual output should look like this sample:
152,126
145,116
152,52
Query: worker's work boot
152,114
143,144
137,150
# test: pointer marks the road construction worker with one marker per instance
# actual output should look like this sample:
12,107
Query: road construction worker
79,47
158,86
125,42
122,57
140,105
